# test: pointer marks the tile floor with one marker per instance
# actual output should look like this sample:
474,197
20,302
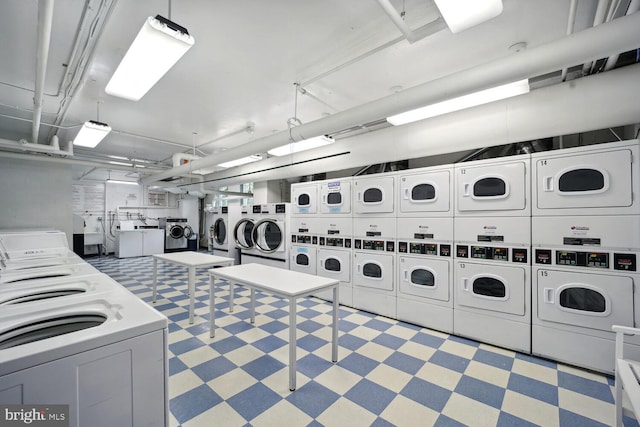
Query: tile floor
389,373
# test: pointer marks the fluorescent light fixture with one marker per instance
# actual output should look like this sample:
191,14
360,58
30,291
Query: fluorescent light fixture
242,161
462,14
116,181
477,98
157,47
305,144
91,134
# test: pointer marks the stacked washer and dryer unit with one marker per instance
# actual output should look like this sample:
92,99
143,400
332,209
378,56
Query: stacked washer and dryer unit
263,234
65,327
586,241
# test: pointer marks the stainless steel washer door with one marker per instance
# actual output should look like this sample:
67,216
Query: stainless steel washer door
243,232
268,236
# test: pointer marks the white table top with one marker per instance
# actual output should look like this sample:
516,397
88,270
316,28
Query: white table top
277,280
194,259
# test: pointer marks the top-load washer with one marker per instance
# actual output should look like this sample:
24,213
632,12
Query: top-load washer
492,280
223,219
373,267
426,192
601,179
374,195
304,198
335,197
33,249
493,187
585,279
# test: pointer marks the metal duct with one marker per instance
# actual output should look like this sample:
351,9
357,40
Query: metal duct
617,36
45,22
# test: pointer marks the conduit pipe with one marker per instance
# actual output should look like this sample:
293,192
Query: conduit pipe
570,25
601,13
617,36
23,145
397,20
613,59
45,22
558,110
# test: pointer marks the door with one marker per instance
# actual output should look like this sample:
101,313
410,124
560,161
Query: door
335,197
242,233
303,259
304,198
334,264
219,232
152,242
490,287
268,236
426,192
594,301
424,277
374,195
373,270
497,187
589,180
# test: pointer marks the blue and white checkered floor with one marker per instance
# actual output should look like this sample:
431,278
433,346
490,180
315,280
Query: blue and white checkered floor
388,372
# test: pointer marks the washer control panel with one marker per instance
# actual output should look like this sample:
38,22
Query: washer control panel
588,259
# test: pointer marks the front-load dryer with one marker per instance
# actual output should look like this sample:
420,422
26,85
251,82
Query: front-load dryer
425,272
374,195
304,198
221,239
426,192
601,179
493,187
335,243
492,281
374,274
585,279
242,233
304,244
57,351
335,197
271,235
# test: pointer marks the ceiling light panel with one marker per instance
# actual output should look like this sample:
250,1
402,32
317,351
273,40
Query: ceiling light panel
462,14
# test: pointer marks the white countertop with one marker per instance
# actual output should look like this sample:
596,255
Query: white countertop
193,259
274,279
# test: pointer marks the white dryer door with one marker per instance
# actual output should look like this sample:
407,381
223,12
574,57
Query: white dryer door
596,180
335,197
428,192
424,277
491,287
491,187
334,264
594,301
373,195
304,199
373,270
303,259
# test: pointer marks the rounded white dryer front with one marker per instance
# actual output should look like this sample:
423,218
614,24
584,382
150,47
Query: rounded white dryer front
303,259
374,282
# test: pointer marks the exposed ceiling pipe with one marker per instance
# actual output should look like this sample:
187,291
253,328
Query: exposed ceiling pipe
613,59
601,13
67,161
619,35
570,24
45,23
398,21
24,145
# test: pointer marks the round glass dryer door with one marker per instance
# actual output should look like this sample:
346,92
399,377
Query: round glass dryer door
219,231
267,235
242,233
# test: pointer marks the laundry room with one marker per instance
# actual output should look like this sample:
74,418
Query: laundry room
373,212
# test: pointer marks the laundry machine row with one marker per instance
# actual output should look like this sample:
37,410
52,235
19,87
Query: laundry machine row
332,197
263,234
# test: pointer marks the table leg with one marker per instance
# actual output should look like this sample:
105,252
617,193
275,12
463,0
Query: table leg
155,278
212,306
253,305
292,343
231,302
192,292
334,334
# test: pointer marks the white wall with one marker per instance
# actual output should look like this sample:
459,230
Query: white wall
35,194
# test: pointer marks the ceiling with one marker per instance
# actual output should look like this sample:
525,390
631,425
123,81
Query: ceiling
245,69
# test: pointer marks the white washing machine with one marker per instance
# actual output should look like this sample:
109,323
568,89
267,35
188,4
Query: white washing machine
601,179
242,232
374,274
426,192
425,272
493,187
492,281
57,350
585,279
223,220
335,197
334,256
304,244
32,249
265,234
26,274
374,195
304,198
